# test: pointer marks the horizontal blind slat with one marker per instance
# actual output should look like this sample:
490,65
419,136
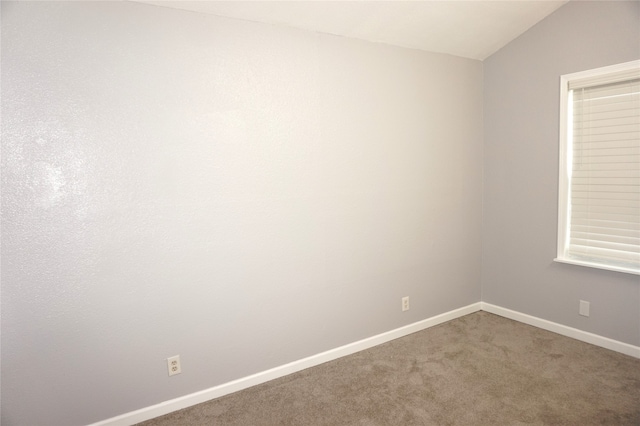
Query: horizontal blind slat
604,167
588,208
604,254
595,190
623,151
612,160
604,109
587,98
607,130
608,137
612,232
605,202
619,143
597,114
629,248
582,195
606,224
606,237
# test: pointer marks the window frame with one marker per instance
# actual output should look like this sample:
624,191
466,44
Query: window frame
565,166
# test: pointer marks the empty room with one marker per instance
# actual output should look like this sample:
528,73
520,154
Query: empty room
320,213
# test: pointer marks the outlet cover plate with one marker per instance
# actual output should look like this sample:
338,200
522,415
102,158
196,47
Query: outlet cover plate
173,365
584,308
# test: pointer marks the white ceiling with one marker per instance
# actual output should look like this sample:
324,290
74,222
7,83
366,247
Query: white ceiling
471,29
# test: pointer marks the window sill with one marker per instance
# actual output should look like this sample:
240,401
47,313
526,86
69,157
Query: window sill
626,270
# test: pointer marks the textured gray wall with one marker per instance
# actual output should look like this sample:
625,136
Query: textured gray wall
240,194
521,102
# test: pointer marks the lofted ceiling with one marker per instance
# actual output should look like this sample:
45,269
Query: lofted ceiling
471,29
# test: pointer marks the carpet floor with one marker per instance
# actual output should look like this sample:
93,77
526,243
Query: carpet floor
480,369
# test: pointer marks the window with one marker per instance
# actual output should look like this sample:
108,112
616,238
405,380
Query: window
599,192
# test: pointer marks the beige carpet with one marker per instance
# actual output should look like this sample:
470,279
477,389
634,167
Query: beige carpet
480,369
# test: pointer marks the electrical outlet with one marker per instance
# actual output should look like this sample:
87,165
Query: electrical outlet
405,303
584,308
173,364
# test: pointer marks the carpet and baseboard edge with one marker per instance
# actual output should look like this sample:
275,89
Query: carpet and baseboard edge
564,330
186,401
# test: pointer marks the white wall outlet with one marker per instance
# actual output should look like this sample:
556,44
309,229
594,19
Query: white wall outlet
405,303
584,308
173,364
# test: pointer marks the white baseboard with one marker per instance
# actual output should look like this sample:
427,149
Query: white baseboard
166,407
330,355
564,330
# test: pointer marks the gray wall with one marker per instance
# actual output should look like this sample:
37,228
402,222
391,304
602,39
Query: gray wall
240,194
521,105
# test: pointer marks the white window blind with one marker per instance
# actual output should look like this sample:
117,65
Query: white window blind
603,176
